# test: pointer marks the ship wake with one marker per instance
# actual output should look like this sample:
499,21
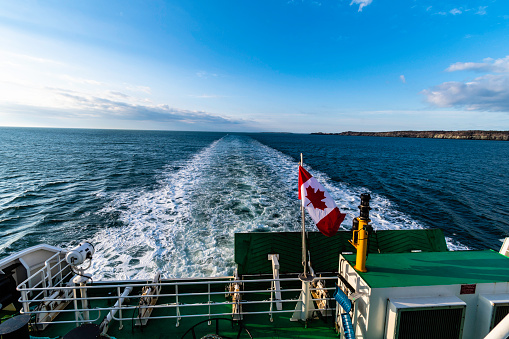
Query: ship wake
184,227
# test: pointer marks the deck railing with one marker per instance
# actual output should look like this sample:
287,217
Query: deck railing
53,294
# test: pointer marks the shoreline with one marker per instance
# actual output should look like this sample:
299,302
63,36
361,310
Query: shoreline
463,135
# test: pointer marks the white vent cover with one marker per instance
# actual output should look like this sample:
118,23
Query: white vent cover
437,317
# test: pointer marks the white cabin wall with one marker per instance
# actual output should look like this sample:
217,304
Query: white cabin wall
370,311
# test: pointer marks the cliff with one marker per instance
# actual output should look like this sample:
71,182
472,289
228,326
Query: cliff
471,135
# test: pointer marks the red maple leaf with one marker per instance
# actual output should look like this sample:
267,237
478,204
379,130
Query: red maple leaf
316,198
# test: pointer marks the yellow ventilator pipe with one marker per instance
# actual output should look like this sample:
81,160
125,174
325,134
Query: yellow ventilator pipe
362,246
361,229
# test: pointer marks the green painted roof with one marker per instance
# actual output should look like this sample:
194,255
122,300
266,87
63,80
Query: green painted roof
251,249
434,268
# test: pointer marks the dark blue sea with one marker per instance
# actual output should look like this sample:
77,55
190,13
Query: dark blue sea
171,201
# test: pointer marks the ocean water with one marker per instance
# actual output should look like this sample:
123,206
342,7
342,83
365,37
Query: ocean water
171,201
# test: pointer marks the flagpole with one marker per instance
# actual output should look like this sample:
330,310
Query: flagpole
304,254
304,276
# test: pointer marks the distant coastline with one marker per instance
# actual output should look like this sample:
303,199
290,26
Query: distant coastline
468,135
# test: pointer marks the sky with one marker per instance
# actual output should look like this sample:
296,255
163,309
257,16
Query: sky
244,66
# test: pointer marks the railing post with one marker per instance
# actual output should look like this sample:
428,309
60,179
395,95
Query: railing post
276,283
84,301
208,294
26,304
271,300
177,303
44,285
76,310
50,278
121,325
60,270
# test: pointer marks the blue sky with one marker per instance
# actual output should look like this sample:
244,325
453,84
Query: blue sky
290,65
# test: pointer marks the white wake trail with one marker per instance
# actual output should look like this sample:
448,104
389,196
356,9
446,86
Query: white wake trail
185,226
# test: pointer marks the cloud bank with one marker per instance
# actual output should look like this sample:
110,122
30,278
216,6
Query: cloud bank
113,109
489,92
107,108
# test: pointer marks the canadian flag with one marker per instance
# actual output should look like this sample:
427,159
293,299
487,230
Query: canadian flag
319,204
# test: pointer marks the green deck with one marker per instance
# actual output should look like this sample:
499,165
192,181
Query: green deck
434,268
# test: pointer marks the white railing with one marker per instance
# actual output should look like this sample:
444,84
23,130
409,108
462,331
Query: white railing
40,299
46,280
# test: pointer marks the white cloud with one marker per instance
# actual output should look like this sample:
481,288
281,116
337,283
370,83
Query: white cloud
468,66
482,10
486,93
361,3
205,75
206,96
143,89
116,94
78,80
489,65
312,2
15,57
402,78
